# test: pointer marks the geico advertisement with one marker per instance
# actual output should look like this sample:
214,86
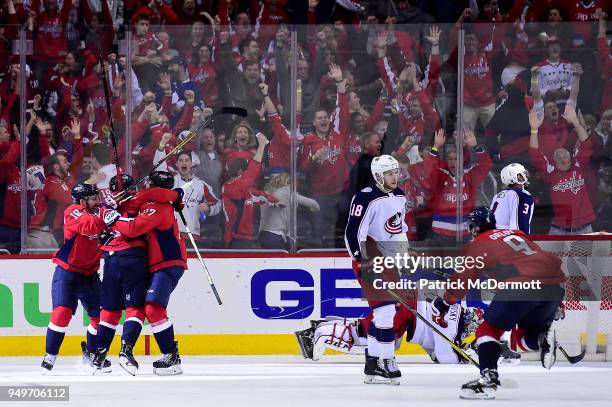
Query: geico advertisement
277,295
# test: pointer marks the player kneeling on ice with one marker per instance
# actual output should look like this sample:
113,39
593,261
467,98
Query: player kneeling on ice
76,273
350,336
376,227
512,258
167,258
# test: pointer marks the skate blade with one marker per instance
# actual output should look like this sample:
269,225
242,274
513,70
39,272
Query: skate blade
128,367
168,371
100,370
45,372
369,379
487,394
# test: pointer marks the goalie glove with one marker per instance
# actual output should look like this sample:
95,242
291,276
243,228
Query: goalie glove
439,308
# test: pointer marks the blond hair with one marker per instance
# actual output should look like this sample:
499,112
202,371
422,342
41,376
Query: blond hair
277,182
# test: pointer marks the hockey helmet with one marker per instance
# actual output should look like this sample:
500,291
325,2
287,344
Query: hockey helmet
481,219
126,182
380,165
162,179
510,174
83,191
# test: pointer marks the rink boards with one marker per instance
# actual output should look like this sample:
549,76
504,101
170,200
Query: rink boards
265,299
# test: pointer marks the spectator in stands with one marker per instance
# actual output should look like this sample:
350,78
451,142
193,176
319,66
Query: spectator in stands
46,226
242,143
204,73
157,12
211,166
274,224
605,63
10,205
146,60
555,74
323,159
442,183
240,196
573,211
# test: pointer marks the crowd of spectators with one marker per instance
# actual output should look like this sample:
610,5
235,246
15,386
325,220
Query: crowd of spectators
373,77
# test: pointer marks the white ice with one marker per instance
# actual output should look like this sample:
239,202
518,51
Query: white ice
288,381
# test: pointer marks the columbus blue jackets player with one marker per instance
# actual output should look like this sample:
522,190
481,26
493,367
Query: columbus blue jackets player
511,257
167,260
76,272
513,207
375,227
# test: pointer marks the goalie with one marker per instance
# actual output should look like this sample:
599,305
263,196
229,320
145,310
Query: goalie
350,336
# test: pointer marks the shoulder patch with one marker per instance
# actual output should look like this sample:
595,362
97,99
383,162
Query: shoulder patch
367,189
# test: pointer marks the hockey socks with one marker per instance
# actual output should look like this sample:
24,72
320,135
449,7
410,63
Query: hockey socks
60,318
488,354
92,334
109,320
134,318
162,328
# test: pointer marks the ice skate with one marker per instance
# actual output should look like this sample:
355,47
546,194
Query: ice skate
48,363
548,348
484,387
126,358
169,364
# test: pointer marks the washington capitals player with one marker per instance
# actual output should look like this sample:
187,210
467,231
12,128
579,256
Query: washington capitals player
126,278
167,259
376,226
511,257
76,278
513,207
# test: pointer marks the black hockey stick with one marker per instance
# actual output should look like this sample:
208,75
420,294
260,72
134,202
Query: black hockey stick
507,383
195,247
238,111
110,120
570,358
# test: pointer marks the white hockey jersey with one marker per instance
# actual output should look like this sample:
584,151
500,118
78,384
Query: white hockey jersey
513,209
196,192
377,216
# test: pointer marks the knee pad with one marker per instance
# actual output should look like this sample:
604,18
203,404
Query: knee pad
60,318
384,315
156,314
488,333
135,314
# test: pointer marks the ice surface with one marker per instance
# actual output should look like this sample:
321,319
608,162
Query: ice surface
288,381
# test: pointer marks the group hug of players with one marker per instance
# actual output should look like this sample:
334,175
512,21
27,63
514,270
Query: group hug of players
375,227
144,258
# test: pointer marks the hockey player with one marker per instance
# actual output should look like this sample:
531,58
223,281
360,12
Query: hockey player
511,257
349,336
167,259
75,278
126,279
376,226
513,207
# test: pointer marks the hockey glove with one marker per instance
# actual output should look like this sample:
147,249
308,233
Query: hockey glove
439,308
109,216
178,204
105,238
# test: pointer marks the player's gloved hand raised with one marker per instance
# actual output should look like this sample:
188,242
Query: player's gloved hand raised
108,215
439,308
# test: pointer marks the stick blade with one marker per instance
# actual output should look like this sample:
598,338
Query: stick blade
238,111
573,359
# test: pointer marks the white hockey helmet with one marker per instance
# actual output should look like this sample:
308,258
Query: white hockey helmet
510,174
382,164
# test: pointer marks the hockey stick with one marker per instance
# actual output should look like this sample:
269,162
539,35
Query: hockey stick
507,383
571,359
238,111
110,120
195,247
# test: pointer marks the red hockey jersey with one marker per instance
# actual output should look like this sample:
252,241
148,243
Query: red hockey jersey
510,256
80,252
156,220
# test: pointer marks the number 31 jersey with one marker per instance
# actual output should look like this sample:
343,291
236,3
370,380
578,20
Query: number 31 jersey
513,209
378,216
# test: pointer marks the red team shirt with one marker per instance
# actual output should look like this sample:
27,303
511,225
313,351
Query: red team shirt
166,247
10,200
80,252
510,256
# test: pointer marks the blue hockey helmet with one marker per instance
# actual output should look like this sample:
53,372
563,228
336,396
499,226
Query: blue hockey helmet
481,219
83,191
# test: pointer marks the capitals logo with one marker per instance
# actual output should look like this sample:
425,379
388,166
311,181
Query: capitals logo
393,225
